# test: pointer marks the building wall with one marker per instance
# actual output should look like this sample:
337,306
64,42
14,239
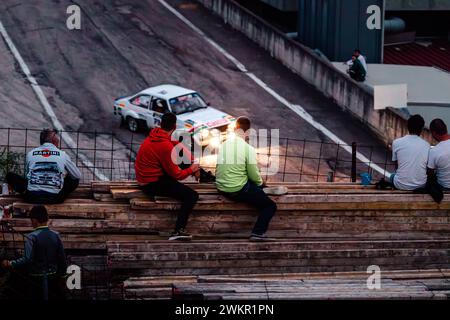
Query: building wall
421,5
336,27
391,5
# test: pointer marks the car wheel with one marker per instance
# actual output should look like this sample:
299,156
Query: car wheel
133,124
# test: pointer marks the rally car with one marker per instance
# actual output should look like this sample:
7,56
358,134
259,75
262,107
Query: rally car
207,125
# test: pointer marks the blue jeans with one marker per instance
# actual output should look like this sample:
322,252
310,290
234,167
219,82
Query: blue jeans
256,197
392,177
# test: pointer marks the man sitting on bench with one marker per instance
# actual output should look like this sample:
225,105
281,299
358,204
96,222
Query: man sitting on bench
439,160
158,175
238,178
410,154
50,174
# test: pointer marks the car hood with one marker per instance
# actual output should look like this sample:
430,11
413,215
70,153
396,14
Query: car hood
205,118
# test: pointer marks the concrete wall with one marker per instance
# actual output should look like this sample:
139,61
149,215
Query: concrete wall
350,96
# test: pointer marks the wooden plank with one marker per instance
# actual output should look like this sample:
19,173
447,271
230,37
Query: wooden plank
105,187
361,204
143,257
122,194
244,246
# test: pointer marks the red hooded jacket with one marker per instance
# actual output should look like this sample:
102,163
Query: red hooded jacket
154,158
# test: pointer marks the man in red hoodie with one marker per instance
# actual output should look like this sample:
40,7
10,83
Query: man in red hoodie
158,175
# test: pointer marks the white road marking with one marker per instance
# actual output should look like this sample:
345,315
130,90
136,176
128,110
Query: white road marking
296,108
46,105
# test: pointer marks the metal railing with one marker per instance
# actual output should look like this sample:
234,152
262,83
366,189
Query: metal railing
102,155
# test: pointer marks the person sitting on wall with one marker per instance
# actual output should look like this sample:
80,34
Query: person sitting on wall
51,176
357,71
360,57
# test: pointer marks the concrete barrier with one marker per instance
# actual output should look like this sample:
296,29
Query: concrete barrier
351,96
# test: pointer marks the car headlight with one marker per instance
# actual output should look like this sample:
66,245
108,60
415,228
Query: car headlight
204,133
215,142
215,132
232,126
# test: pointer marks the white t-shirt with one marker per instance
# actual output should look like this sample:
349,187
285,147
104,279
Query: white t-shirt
411,153
440,161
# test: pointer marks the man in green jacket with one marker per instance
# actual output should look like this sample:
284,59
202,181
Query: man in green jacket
238,178
357,71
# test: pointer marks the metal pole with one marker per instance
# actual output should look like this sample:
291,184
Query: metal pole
353,161
112,155
318,164
285,159
303,159
95,155
131,156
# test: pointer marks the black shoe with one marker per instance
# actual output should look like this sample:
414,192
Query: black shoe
260,238
180,235
206,176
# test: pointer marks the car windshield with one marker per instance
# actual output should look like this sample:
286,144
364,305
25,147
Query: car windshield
187,103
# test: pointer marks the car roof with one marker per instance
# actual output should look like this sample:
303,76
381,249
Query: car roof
167,91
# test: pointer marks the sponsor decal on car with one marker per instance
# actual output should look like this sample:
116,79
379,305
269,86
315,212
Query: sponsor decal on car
217,123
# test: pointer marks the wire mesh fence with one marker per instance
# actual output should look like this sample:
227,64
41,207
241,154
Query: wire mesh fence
104,156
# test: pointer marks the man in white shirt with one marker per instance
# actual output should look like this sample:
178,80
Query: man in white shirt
439,160
360,57
410,155
50,173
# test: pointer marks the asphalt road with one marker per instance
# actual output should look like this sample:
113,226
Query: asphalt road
127,45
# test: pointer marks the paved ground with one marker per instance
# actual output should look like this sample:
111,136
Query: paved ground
127,45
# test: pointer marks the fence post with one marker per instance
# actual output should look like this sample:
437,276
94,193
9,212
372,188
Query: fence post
112,156
353,161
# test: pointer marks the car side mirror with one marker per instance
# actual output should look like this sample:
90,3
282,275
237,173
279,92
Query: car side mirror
208,104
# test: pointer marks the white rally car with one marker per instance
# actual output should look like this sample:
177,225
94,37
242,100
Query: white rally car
207,125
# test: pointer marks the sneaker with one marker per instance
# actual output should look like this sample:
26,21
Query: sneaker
260,238
180,235
276,191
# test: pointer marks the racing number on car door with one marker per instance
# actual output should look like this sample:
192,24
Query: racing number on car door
159,107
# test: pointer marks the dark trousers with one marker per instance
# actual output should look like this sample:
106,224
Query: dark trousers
21,286
169,187
19,184
256,197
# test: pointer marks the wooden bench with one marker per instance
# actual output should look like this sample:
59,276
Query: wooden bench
351,284
231,257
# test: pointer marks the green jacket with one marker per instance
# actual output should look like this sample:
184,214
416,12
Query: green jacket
236,164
